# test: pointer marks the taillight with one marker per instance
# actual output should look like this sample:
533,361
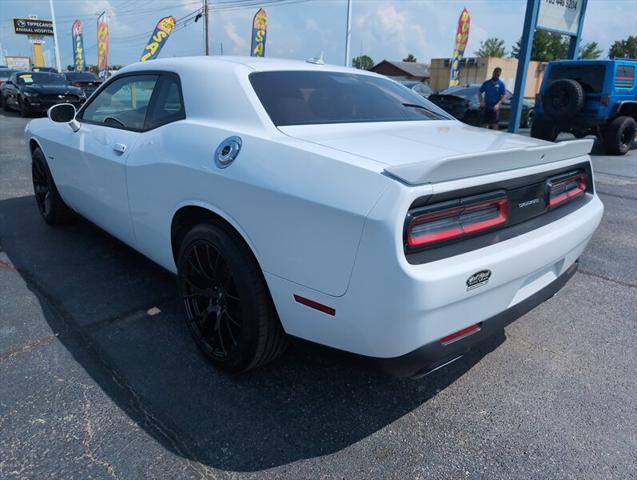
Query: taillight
566,187
77,84
449,220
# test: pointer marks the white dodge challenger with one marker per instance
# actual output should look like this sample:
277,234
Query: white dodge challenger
319,202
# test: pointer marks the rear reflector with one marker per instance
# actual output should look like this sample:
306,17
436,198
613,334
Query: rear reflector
312,304
465,332
437,224
567,187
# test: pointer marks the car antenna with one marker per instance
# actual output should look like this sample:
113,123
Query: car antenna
317,60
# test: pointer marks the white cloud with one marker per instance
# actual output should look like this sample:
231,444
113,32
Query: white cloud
239,43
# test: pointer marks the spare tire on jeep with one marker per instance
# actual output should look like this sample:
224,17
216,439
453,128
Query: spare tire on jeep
563,99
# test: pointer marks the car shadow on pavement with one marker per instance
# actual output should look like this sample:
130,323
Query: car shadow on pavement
98,293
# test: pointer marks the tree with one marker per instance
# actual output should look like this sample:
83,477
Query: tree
547,46
491,47
363,62
624,48
410,58
590,51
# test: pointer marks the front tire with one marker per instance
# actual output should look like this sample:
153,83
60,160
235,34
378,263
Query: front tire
227,304
619,135
22,108
52,208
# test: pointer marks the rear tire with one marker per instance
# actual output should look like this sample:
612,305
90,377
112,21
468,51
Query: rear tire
544,129
619,135
227,304
563,99
52,208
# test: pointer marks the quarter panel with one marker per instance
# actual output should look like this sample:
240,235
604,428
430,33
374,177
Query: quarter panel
300,209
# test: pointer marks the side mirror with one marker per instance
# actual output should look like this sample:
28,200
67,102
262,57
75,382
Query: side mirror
64,113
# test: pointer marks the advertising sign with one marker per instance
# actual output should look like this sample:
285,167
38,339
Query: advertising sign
157,40
102,45
18,63
560,16
29,26
259,31
462,37
78,45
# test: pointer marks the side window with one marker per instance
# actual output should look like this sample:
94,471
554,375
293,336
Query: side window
168,105
123,103
625,76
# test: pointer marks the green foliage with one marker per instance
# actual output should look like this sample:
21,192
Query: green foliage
547,46
363,62
491,47
589,51
410,58
624,48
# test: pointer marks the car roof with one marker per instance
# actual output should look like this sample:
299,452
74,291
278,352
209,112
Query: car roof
255,64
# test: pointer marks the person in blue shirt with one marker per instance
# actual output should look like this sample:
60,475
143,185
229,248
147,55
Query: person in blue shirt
492,94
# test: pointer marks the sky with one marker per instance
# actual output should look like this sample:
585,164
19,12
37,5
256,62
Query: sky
301,29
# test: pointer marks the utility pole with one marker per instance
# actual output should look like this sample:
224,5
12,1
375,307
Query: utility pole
205,28
58,64
348,32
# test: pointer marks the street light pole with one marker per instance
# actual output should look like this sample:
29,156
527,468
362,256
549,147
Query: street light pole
205,28
348,33
58,64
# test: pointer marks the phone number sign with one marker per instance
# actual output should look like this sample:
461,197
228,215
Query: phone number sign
560,16
27,26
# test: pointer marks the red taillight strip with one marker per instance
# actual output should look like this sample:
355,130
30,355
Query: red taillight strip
312,304
465,332
457,230
582,183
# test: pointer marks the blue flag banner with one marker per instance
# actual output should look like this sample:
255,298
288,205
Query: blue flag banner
158,39
259,31
78,45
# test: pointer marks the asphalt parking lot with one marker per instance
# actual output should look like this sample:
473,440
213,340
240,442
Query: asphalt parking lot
99,377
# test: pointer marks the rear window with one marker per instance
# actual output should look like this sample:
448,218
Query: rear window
81,77
591,77
312,98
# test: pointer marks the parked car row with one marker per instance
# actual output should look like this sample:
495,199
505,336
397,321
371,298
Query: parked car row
462,102
37,90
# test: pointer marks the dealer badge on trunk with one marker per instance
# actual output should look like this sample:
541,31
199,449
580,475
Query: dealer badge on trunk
478,279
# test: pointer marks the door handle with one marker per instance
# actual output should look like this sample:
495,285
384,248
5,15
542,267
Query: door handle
119,148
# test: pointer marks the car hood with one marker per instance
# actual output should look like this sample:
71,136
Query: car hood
53,89
430,151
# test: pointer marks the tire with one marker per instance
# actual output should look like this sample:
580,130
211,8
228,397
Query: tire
22,108
227,304
52,208
5,105
619,135
544,129
527,122
563,99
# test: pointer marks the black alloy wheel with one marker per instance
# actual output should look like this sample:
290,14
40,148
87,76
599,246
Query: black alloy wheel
52,208
42,186
211,300
227,303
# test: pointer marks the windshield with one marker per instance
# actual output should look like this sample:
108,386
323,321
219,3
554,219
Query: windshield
5,74
81,77
312,98
39,78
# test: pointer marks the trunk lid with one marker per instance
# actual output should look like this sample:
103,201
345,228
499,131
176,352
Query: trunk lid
417,153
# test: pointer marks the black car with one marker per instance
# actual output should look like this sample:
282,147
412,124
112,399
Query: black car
462,102
44,69
87,81
30,92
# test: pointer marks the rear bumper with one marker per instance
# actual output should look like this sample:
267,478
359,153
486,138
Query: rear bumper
435,355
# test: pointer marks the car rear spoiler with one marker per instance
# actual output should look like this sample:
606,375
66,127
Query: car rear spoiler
474,164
